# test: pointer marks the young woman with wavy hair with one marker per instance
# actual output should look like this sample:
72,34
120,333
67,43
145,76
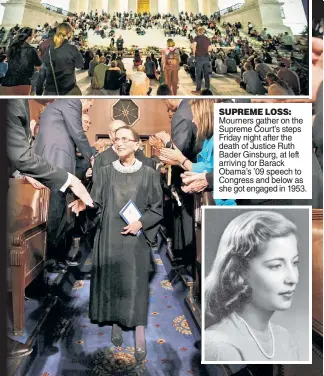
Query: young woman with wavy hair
254,274
61,60
22,60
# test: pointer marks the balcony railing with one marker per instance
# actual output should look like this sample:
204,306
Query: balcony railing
230,9
55,9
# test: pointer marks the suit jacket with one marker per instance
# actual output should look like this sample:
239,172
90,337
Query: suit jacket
183,134
82,165
318,127
183,130
109,156
61,132
21,156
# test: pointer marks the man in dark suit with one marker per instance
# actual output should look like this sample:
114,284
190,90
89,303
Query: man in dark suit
318,151
318,127
60,133
22,158
109,155
183,135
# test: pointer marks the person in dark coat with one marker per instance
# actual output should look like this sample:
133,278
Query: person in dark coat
318,127
22,158
62,59
60,134
183,135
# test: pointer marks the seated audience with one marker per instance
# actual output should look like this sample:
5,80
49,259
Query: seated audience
262,68
231,63
276,86
220,66
137,59
140,82
251,81
164,90
289,77
112,78
98,80
93,63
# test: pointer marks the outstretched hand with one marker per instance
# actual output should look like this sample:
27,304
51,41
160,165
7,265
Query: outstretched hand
35,183
80,191
164,136
77,206
173,154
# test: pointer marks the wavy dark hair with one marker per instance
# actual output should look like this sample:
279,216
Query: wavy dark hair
19,41
246,237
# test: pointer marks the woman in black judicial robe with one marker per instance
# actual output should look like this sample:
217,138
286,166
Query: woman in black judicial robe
121,263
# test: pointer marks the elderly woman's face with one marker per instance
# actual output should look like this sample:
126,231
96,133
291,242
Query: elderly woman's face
273,275
125,145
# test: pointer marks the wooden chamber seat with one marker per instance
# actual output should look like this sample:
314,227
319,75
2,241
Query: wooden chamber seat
27,223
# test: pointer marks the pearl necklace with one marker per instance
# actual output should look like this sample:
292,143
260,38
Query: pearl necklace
127,169
256,340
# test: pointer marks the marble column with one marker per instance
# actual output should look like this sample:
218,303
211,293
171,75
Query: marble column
94,4
113,6
262,14
28,12
83,6
13,12
213,4
74,6
173,7
154,6
192,6
271,17
206,8
132,6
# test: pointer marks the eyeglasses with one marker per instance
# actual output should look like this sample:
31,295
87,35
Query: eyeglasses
124,140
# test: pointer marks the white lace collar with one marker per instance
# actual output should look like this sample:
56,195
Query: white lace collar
127,169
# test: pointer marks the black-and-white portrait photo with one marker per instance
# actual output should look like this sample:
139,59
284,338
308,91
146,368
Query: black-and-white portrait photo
256,285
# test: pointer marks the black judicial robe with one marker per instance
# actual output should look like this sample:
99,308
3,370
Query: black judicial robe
121,264
109,156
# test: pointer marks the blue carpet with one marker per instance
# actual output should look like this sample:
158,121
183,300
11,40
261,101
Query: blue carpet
86,349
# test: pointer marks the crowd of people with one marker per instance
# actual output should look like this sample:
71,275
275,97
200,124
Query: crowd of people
44,61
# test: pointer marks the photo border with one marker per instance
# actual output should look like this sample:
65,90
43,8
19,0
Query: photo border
249,207
309,96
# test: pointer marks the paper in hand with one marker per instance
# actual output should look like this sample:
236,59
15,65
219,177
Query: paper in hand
130,214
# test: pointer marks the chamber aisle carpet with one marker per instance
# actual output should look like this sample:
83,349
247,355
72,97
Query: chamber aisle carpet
85,349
